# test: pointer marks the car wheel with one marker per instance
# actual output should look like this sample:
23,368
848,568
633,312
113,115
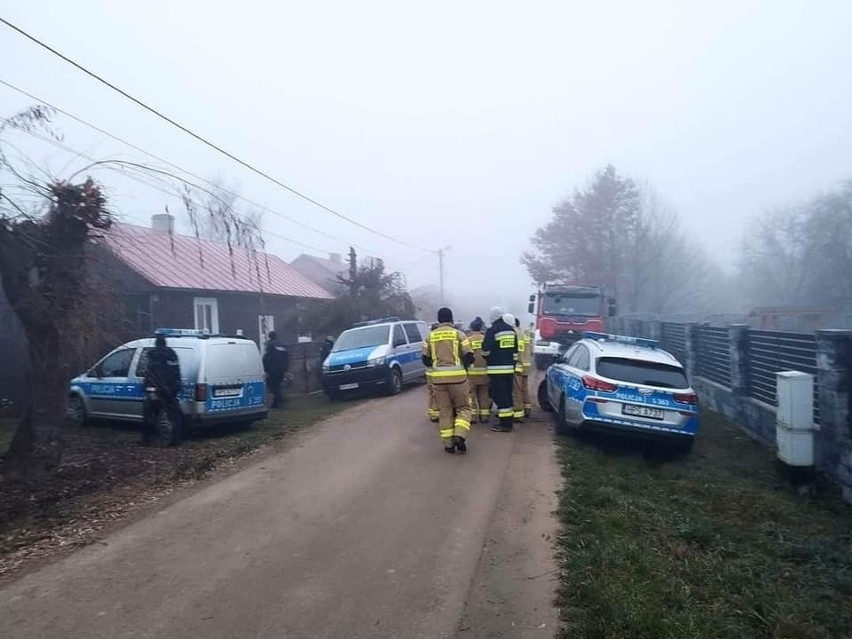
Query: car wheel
562,427
76,411
395,382
543,399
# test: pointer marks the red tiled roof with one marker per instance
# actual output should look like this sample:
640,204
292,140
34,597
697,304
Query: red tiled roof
183,262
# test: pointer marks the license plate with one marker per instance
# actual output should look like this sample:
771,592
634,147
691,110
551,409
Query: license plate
348,386
643,411
227,392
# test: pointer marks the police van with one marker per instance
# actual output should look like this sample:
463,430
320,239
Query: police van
382,354
222,380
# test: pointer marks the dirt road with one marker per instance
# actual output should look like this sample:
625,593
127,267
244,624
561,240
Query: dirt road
365,528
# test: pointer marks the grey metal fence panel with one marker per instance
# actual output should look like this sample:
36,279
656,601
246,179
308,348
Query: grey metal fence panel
714,355
674,340
770,352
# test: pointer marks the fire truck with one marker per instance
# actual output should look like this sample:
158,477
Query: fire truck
562,313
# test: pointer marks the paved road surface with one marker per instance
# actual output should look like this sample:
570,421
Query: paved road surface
366,528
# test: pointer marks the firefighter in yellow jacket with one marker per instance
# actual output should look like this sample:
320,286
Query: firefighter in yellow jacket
522,389
478,373
518,378
432,408
447,352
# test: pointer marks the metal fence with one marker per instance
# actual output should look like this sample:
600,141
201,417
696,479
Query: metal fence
674,339
770,352
713,359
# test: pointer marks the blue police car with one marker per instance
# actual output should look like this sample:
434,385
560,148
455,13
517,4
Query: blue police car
382,354
624,385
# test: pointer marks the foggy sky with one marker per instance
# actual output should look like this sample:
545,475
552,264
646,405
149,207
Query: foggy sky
454,123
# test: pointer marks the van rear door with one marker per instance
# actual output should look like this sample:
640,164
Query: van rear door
233,372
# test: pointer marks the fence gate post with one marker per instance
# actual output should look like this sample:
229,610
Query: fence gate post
833,446
738,345
655,330
690,339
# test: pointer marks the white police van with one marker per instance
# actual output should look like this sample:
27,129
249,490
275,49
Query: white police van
380,354
222,380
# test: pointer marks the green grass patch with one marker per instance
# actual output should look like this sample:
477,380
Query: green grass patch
714,544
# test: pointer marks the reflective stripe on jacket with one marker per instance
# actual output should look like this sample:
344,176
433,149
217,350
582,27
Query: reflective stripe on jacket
479,364
500,348
446,345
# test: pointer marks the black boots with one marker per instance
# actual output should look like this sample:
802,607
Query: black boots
458,446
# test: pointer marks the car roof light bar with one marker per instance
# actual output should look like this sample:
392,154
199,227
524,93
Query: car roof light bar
622,339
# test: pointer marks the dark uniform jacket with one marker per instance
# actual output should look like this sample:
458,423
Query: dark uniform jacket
500,348
163,371
276,360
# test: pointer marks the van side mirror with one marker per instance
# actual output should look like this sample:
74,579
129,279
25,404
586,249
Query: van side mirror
532,297
531,308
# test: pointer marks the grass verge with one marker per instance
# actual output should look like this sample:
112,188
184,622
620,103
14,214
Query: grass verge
710,545
106,473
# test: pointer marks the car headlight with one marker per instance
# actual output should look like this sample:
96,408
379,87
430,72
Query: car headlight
326,368
376,361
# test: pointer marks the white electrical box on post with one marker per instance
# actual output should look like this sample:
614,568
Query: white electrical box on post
794,425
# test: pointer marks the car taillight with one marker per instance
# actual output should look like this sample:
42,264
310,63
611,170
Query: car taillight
593,383
201,392
686,398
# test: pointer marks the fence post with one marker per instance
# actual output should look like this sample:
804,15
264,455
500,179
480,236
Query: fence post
690,330
655,330
305,366
833,445
738,345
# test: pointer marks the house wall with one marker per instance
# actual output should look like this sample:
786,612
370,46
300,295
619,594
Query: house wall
237,311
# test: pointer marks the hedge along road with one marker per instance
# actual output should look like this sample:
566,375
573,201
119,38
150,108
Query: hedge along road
366,528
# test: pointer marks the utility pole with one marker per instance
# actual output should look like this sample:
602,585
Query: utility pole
353,271
441,274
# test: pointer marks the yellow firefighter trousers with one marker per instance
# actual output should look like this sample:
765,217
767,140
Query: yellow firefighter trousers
521,395
432,407
480,400
453,401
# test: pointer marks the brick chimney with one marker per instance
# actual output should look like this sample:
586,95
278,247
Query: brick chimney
163,223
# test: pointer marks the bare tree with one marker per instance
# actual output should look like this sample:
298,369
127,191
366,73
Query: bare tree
216,220
619,234
43,269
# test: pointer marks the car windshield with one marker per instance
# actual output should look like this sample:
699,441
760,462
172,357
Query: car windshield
636,371
565,304
361,337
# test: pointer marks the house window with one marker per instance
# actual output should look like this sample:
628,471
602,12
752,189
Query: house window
207,314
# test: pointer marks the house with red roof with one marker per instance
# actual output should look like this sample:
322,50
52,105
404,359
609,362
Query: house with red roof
180,281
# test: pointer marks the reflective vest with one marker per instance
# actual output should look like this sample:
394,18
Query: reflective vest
446,345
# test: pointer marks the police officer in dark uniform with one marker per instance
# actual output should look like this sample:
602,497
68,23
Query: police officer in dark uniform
500,349
276,363
162,374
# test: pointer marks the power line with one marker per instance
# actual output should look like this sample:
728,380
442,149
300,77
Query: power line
156,187
179,168
205,141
